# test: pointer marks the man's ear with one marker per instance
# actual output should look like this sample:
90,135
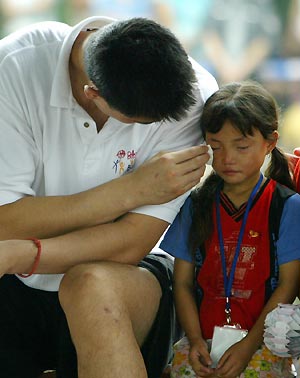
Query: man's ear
91,91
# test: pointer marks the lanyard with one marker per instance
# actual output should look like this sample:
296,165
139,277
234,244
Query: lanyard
228,281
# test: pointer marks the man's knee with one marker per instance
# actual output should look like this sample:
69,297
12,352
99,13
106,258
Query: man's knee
112,292
86,283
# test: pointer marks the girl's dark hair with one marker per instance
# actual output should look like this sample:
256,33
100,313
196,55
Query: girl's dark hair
248,106
141,69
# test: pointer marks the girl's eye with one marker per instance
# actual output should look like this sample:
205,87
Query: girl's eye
214,148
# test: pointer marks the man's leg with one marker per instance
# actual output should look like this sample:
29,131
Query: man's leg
157,350
110,309
26,329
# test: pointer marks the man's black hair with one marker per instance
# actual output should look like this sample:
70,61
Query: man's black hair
140,69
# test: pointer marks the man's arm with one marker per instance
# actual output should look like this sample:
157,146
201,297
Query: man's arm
127,240
159,180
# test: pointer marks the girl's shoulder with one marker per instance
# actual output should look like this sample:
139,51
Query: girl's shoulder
290,208
288,237
292,203
279,192
286,195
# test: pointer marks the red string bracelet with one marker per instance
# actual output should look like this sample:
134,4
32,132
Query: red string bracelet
37,242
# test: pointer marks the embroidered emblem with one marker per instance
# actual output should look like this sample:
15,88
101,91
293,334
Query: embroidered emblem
121,170
131,154
121,154
124,162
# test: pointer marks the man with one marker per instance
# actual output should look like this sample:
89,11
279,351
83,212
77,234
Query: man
86,113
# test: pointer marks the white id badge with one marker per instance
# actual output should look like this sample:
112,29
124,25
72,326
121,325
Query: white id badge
223,338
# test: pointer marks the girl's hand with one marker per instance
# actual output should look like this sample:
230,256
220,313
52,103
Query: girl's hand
235,360
200,359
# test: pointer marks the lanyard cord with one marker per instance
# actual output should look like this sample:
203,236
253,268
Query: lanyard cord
228,281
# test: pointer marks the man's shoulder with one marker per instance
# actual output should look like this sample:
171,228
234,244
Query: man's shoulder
207,84
32,35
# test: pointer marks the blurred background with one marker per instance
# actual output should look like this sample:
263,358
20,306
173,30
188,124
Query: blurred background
233,39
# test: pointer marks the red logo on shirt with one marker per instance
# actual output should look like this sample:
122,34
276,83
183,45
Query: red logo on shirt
124,162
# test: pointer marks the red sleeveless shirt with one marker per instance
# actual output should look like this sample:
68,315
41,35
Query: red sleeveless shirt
252,269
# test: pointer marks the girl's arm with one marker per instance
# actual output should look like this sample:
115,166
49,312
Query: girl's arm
286,292
184,273
237,357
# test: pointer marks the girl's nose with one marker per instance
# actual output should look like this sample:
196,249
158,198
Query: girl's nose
228,156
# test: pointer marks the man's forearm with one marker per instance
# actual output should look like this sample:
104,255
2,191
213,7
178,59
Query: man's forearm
45,217
127,240
161,179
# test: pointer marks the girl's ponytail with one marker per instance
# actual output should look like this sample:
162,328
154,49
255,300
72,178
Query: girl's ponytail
279,169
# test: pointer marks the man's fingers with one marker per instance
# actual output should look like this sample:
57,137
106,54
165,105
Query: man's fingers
193,178
171,173
187,174
197,162
196,154
190,153
181,156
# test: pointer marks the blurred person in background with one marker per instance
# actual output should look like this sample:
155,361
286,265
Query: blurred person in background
280,73
122,9
185,18
16,13
295,163
297,173
238,36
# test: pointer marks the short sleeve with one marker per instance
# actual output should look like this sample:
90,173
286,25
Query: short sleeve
18,155
176,239
288,244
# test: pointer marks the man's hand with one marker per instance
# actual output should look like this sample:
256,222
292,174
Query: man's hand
169,174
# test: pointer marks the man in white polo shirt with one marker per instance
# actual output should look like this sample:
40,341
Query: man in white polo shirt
96,128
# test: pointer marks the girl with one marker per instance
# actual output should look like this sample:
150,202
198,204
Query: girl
225,240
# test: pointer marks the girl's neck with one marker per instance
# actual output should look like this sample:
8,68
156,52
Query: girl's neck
240,193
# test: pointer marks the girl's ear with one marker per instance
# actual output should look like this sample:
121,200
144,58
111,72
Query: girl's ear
273,141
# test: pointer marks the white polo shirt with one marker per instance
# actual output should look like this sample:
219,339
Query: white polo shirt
50,146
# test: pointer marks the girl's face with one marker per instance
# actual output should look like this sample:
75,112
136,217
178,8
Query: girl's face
238,158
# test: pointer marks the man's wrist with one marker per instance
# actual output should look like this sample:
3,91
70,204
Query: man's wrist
21,256
35,265
134,197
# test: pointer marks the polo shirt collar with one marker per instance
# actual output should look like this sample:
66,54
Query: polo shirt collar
61,92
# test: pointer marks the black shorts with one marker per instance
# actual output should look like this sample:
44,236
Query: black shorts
34,334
